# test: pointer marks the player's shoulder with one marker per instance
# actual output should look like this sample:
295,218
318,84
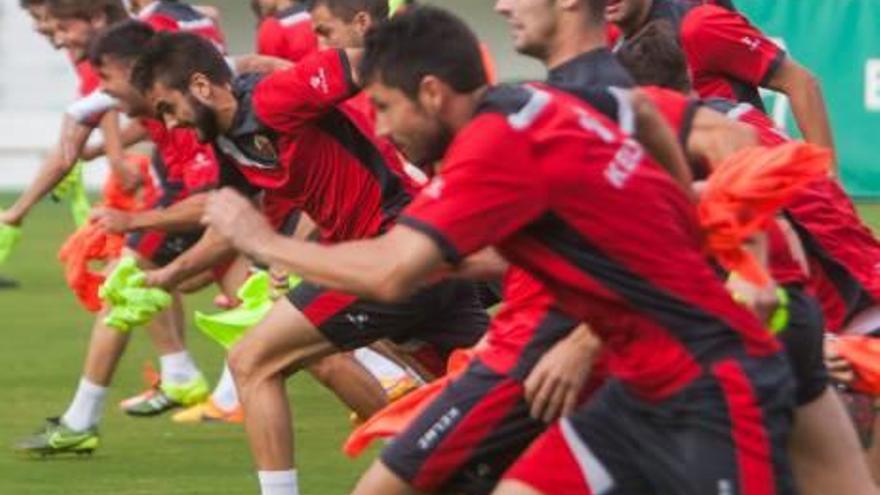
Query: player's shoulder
708,15
292,16
179,11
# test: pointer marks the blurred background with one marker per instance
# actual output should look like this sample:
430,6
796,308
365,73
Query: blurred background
837,39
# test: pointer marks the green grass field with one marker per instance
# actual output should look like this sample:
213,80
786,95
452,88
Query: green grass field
44,336
43,339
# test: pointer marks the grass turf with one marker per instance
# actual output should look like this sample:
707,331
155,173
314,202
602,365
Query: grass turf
44,336
43,341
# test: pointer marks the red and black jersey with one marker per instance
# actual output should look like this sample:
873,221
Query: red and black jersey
182,165
727,56
288,34
172,15
564,194
294,136
87,78
842,251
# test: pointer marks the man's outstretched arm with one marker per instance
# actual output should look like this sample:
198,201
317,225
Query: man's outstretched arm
386,268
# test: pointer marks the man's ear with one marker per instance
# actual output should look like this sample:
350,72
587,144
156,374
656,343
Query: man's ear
362,22
432,94
201,88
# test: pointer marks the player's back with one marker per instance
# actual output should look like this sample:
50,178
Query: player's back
287,34
619,242
173,15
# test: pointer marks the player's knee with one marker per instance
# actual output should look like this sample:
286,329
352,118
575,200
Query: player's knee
324,370
243,363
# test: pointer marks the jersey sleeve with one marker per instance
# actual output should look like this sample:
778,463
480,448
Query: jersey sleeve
487,189
269,38
161,22
719,41
203,173
87,77
89,109
288,100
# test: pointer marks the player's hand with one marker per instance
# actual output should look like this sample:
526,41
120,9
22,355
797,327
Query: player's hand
113,221
9,217
839,369
763,301
163,278
553,387
235,218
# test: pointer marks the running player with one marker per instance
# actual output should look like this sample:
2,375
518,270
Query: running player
547,207
823,442
291,135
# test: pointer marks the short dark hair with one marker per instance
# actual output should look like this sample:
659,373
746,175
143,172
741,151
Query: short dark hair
26,4
125,41
347,9
173,58
654,57
419,42
87,9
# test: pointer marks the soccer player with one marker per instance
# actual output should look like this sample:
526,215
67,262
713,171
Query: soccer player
538,173
185,169
292,136
285,29
730,58
824,446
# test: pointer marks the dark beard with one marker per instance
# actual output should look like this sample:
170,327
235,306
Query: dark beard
436,148
205,120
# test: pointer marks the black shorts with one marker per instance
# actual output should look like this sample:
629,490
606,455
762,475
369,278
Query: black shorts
804,342
725,433
161,248
477,427
447,315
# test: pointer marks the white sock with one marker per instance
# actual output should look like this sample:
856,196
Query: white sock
378,365
88,404
278,482
225,396
178,368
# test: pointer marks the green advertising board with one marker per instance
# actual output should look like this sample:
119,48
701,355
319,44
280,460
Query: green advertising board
839,41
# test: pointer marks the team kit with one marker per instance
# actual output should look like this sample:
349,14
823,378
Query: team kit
620,279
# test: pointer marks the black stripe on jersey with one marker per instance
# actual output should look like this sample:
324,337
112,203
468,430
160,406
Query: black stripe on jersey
179,11
394,195
774,66
505,99
676,316
447,249
848,287
747,93
553,327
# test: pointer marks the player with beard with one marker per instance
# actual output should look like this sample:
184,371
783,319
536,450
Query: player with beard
526,168
291,134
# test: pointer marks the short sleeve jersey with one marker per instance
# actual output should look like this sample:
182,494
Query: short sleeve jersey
564,194
182,164
294,136
727,56
171,15
287,34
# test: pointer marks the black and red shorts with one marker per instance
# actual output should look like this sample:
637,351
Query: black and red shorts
478,426
161,248
725,433
447,315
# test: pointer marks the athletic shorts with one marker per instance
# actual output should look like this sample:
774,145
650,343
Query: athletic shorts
161,248
725,433
804,343
447,315
472,432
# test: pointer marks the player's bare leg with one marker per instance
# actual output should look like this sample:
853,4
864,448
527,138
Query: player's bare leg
283,343
825,450
379,480
356,387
